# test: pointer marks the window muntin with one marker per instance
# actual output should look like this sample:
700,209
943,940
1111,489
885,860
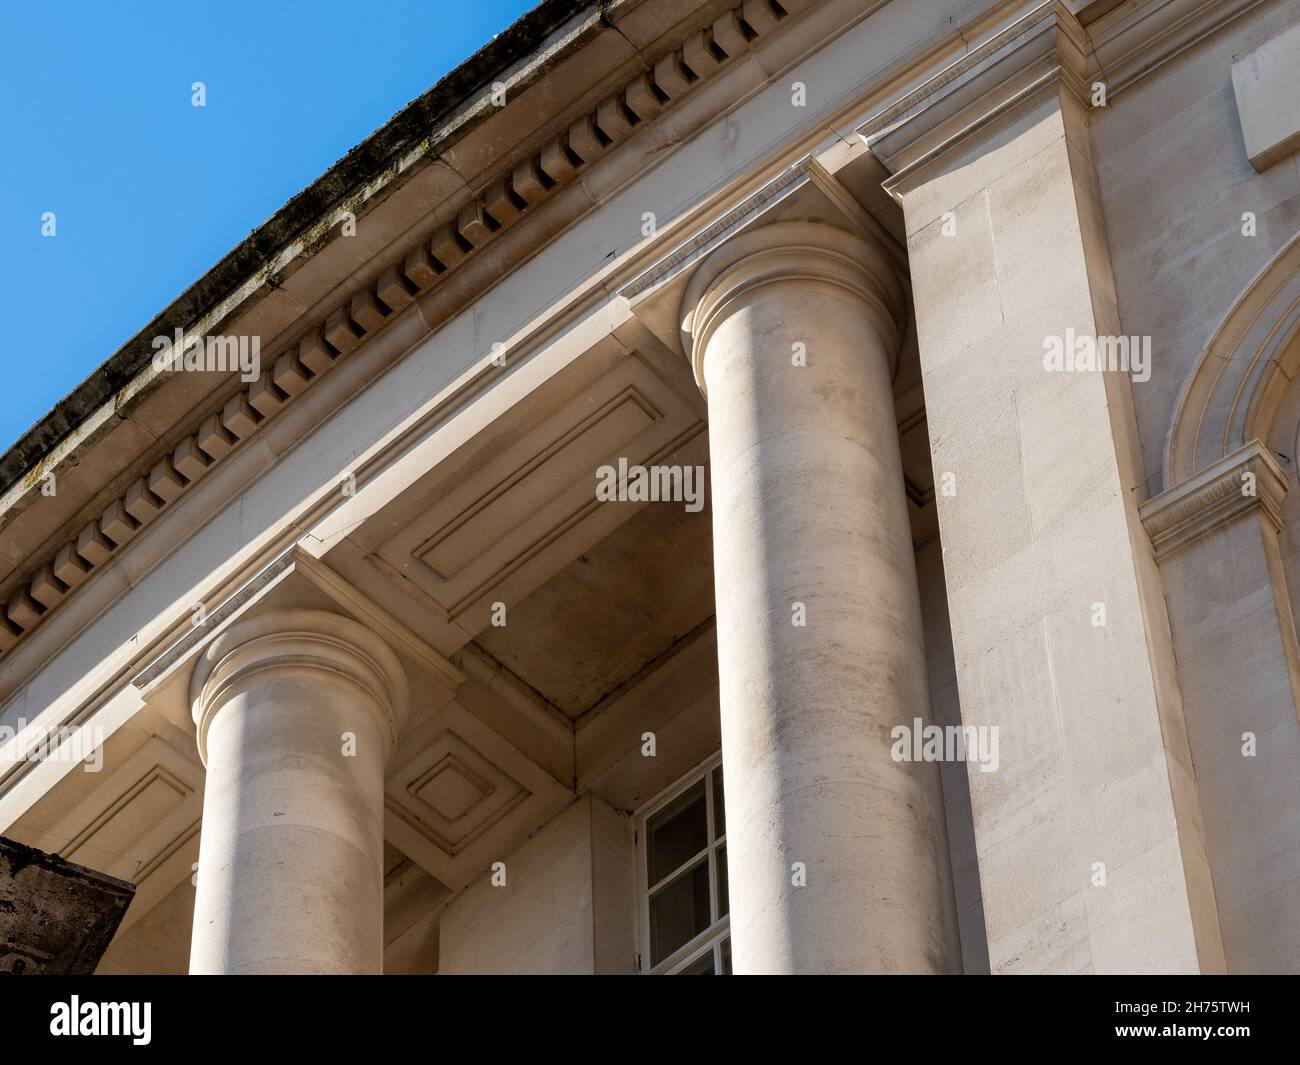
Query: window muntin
683,877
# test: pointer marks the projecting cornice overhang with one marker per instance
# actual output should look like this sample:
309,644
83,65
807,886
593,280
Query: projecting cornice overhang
449,197
1131,40
474,178
1237,484
1017,49
1027,49
518,57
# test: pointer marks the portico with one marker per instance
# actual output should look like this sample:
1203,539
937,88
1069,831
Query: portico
400,665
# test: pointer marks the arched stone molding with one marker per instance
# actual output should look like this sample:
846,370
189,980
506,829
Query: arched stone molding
1234,392
1216,531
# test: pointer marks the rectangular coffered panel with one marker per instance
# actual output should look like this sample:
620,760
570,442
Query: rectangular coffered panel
514,496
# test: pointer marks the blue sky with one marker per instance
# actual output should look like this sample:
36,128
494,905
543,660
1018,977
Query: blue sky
149,191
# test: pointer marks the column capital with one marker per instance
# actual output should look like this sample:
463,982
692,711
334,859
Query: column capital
786,252
296,642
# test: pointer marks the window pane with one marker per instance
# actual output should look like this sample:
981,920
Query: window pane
678,912
726,956
701,966
723,906
719,818
677,832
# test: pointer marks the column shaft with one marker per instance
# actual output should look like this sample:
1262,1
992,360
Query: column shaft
295,712
810,525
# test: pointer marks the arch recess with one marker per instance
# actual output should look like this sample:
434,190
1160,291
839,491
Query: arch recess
1233,393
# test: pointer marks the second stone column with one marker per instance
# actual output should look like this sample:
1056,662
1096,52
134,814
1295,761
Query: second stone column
837,854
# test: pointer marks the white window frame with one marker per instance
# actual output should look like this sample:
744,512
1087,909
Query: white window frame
712,938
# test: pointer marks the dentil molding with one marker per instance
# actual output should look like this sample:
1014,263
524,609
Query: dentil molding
523,184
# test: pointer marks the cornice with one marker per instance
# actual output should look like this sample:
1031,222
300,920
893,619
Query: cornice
521,186
1026,50
420,133
1018,49
1012,50
1135,39
1232,487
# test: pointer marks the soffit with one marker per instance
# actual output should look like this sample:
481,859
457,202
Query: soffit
613,611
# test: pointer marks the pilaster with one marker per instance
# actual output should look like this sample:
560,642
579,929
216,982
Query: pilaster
1058,619
1216,536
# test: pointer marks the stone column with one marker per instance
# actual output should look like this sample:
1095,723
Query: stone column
820,645
296,712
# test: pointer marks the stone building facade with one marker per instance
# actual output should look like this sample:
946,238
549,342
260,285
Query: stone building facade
669,435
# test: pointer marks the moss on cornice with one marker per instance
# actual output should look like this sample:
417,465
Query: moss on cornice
423,125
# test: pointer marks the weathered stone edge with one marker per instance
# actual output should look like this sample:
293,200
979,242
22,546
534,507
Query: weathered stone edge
402,134
1248,478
